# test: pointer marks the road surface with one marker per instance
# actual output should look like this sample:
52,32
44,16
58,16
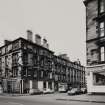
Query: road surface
39,100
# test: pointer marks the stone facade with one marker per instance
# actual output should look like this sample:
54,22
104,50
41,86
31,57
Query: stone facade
25,65
95,45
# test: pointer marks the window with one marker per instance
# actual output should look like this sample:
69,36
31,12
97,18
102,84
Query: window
56,77
15,72
102,6
15,45
99,78
41,74
25,58
35,73
44,85
15,59
50,85
101,29
102,53
30,59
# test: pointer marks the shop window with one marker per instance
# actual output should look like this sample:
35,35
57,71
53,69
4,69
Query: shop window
99,78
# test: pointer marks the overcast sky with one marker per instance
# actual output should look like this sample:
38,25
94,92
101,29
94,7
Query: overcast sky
62,22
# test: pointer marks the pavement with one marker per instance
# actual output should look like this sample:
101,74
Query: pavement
62,97
13,94
84,98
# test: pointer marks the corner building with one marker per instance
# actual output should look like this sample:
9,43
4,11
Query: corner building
25,65
95,45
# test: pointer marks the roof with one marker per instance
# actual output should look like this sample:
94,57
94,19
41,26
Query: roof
20,38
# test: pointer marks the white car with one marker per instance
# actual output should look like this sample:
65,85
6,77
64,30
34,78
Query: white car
35,92
62,89
48,91
74,91
84,90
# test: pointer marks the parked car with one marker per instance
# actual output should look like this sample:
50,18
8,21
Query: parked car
62,89
35,92
84,90
48,91
1,89
69,88
74,91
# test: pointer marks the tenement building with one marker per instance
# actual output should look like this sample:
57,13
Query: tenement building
95,45
26,64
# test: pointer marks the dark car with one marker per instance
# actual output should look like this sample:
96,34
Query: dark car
74,91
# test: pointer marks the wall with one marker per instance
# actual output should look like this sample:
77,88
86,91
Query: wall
92,11
92,53
92,32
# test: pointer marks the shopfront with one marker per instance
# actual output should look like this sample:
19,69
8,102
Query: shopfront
95,77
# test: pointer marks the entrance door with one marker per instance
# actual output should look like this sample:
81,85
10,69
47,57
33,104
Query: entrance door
44,85
9,89
50,85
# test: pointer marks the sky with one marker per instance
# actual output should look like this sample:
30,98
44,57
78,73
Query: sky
62,22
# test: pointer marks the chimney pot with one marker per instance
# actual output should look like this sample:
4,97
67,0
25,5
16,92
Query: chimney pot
38,39
45,42
29,35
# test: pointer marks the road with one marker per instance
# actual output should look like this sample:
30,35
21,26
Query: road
39,100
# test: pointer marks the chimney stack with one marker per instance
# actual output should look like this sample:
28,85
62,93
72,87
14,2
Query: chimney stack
29,35
38,39
47,46
45,42
6,42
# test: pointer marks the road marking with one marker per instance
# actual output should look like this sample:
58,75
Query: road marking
14,103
